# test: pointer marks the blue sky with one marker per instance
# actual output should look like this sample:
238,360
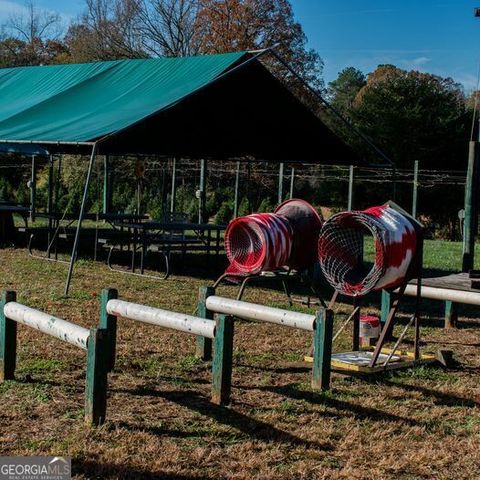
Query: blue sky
438,36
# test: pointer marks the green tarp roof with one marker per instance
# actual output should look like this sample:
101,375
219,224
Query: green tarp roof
84,102
212,106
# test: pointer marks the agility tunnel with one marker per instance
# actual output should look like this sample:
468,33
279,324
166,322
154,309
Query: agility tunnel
265,242
341,249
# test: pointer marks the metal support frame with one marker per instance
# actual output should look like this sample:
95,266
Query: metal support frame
202,205
107,192
80,220
33,189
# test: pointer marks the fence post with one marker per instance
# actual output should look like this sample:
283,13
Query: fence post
322,349
8,340
204,345
350,189
109,323
96,378
415,189
222,360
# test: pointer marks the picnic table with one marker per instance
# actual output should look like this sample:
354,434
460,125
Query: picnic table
8,233
166,237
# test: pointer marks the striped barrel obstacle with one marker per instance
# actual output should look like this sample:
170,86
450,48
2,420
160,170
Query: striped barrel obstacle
321,325
93,341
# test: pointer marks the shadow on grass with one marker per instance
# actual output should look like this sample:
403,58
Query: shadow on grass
249,426
105,470
360,412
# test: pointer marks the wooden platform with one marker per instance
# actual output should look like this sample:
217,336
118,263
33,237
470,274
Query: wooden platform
455,281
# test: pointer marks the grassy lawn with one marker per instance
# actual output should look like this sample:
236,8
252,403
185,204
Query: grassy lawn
415,424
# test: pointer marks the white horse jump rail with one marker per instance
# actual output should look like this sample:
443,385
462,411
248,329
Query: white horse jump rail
252,311
220,331
162,318
93,341
56,327
321,325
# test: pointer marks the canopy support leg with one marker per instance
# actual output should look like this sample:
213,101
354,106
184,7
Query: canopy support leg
280,183
33,189
237,183
415,189
292,182
80,219
174,185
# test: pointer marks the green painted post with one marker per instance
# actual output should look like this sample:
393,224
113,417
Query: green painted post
470,210
8,340
350,188
415,189
237,183
204,345
173,192
451,314
96,378
385,309
322,349
222,360
109,323
292,182
280,182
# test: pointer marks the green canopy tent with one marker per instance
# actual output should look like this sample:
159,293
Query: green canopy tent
206,107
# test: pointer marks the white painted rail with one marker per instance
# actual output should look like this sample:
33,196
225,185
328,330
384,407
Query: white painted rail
56,327
445,294
162,318
252,311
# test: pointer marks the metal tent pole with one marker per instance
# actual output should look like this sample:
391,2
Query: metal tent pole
80,219
50,199
237,183
292,182
280,182
33,189
202,199
106,184
174,185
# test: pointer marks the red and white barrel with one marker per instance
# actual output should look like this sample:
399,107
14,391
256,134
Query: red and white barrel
341,246
265,242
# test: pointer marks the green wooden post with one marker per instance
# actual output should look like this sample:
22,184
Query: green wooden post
415,189
204,345
109,323
470,210
350,188
222,360
33,190
385,309
96,378
237,183
8,340
173,192
292,182
451,314
280,182
322,349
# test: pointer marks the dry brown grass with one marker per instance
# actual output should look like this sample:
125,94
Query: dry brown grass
418,424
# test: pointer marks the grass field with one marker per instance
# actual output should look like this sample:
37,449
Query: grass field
415,424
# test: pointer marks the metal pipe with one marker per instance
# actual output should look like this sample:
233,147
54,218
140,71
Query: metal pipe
444,294
163,318
56,327
292,182
400,338
415,189
280,183
80,219
33,190
350,188
252,311
173,193
469,208
237,182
